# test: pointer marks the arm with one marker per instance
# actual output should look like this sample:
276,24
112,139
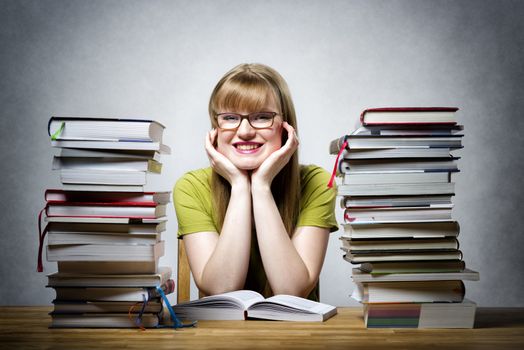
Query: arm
293,264
219,263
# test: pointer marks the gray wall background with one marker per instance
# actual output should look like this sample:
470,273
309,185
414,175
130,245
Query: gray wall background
160,60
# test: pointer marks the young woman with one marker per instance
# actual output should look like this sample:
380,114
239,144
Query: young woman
255,219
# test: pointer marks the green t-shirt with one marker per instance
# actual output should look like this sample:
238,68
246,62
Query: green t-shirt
194,210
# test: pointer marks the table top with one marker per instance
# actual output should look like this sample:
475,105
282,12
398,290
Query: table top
495,328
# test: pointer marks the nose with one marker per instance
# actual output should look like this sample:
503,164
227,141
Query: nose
245,131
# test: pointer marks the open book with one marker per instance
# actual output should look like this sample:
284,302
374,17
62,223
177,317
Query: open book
244,304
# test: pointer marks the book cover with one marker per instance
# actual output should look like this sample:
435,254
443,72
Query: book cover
106,129
408,115
124,198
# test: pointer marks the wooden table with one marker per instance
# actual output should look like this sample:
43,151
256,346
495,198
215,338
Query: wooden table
500,328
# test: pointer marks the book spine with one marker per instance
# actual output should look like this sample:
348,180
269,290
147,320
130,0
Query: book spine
362,117
411,109
104,204
406,109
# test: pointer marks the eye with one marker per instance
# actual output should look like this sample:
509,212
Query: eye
229,117
263,116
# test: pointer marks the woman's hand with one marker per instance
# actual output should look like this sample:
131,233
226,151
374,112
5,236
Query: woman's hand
263,176
221,164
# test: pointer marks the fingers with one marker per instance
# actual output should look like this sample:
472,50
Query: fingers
211,151
292,139
209,141
210,138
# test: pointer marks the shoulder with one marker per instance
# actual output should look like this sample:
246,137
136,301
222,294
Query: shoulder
317,200
198,178
193,183
313,175
314,184
193,202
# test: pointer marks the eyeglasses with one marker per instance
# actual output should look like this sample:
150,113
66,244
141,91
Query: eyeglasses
258,120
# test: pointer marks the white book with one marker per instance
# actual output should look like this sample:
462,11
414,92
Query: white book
421,152
107,129
243,304
103,188
377,142
111,164
410,130
137,294
103,307
401,256
447,315
401,230
54,238
94,210
409,292
396,165
105,252
113,145
397,214
387,267
465,275
63,279
409,189
407,177
102,153
103,177
109,268
141,229
395,201
356,246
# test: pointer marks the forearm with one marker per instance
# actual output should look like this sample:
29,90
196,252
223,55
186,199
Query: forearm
284,267
227,267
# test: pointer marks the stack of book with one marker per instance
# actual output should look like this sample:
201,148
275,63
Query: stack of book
104,230
396,189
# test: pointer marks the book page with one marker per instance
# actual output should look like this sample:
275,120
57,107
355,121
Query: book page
241,298
299,303
247,297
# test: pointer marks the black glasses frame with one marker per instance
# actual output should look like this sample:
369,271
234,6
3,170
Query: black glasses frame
248,117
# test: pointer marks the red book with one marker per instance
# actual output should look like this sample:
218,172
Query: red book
107,198
409,115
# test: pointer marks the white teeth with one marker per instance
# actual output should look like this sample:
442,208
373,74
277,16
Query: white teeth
247,147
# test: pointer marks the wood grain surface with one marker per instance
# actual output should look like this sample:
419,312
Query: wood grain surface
495,328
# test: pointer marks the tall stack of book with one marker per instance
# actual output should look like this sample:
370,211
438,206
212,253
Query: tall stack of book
396,189
104,229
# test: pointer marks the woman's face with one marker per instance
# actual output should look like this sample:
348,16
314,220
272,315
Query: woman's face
247,147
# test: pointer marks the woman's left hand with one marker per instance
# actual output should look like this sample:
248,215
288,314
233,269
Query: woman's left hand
266,172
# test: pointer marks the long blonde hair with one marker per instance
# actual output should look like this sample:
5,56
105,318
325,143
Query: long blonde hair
247,87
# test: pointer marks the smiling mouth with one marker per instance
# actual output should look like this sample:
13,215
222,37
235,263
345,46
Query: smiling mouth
247,147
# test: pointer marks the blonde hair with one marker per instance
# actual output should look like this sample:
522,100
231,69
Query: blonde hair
247,87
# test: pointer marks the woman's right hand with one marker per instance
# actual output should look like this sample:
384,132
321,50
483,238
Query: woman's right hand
221,164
